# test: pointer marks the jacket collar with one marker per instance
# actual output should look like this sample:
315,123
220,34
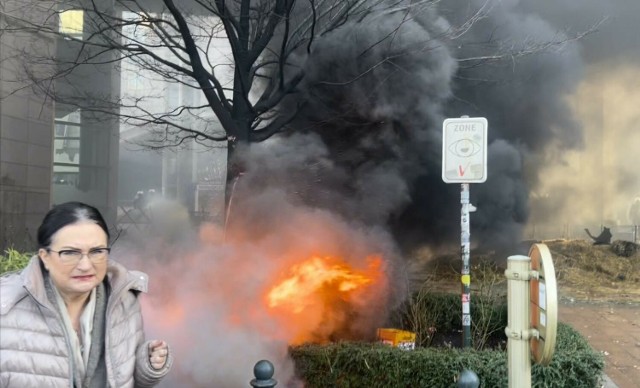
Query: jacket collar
122,278
18,285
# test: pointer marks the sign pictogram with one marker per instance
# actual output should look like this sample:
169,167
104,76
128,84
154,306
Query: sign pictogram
464,150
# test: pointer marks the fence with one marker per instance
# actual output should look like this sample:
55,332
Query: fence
571,232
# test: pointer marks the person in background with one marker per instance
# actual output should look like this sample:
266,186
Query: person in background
139,200
72,318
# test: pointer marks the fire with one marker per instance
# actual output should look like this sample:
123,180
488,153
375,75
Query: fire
321,291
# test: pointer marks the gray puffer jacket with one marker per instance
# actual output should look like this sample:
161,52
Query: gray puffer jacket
35,350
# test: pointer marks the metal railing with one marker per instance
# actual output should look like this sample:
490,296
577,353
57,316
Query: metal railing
572,231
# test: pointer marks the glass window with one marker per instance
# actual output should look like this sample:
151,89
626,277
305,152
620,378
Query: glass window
72,22
66,145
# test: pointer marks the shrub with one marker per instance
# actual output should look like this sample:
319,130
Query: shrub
373,365
348,365
13,261
427,314
574,363
435,316
431,315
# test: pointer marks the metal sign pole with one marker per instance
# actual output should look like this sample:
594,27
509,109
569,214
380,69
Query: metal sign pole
465,237
464,161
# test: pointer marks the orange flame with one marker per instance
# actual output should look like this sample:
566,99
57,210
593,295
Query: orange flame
320,287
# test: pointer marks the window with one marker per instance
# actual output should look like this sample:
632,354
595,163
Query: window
66,145
72,22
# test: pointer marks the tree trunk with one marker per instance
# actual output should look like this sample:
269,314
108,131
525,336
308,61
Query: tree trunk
243,117
235,167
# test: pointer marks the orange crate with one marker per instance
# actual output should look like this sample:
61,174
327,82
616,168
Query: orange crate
399,338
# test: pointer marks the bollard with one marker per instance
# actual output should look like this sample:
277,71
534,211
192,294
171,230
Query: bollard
517,331
263,371
468,379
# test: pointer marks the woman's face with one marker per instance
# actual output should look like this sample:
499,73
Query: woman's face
74,278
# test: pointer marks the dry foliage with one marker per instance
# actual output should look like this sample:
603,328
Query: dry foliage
585,272
595,272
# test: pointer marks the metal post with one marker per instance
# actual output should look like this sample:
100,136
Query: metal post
517,331
465,236
263,371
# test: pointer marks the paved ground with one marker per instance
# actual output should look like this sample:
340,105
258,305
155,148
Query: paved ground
614,330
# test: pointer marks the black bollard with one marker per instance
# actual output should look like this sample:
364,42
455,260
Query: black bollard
468,379
263,371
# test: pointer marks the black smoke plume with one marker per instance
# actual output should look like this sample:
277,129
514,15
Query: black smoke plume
367,145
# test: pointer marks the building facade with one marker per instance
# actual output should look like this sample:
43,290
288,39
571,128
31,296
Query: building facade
26,139
69,150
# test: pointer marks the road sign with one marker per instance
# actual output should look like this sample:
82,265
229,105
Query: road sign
464,150
544,304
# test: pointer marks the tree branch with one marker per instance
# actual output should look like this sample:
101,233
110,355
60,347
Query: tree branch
199,74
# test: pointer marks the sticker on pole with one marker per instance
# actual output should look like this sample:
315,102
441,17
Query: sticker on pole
464,150
544,304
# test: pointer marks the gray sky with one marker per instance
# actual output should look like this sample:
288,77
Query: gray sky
617,37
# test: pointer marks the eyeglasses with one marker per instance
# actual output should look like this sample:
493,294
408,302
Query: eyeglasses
71,256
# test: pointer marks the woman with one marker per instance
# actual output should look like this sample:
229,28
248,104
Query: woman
72,317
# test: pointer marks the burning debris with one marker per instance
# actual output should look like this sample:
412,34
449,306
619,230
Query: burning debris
316,277
329,290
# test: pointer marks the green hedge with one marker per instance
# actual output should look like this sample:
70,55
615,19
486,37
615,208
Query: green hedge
13,261
347,365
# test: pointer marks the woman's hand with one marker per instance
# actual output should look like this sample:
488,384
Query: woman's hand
158,352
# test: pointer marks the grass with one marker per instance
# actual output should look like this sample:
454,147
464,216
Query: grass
13,260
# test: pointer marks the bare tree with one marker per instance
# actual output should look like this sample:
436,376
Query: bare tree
245,57
177,42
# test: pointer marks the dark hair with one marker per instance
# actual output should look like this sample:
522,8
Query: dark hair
66,214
